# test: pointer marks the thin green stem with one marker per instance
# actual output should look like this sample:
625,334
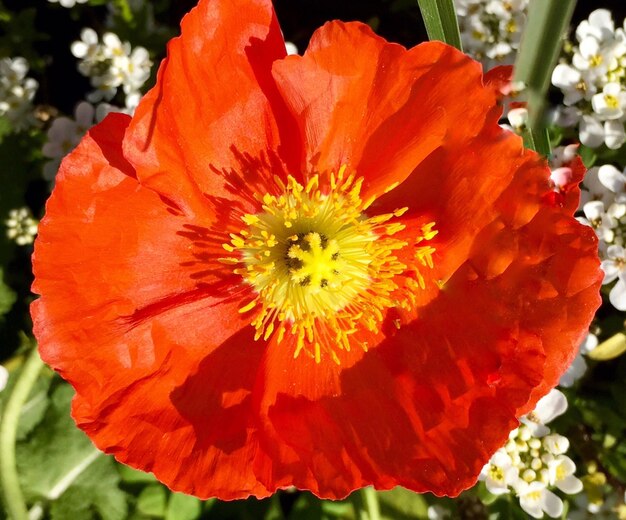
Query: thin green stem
125,11
13,497
370,503
441,21
541,44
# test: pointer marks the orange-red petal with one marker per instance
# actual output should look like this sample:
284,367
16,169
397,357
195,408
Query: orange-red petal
128,314
140,315
215,113
377,107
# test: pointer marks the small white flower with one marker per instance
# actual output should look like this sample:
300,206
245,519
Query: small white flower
64,134
21,226
518,117
594,189
574,372
499,473
579,366
561,471
574,85
491,30
563,116
535,499
600,219
610,103
591,57
550,406
136,69
87,48
111,63
16,92
555,444
612,179
614,135
68,3
614,267
591,131
599,26
590,343
563,155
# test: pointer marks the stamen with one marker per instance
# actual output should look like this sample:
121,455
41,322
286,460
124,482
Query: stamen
320,268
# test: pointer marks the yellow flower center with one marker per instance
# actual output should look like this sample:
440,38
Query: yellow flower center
496,474
320,268
611,101
596,60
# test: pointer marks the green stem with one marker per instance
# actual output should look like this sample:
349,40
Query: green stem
14,500
548,21
125,11
440,21
370,502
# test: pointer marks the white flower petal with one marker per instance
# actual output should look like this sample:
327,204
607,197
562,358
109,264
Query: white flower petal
617,296
611,271
594,209
551,405
614,135
591,131
552,504
612,178
570,485
565,77
574,372
89,36
590,343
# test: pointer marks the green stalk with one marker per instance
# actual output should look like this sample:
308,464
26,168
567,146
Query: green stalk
371,505
125,11
13,497
548,21
440,21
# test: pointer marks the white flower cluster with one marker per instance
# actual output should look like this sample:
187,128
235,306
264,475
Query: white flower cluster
604,208
533,462
593,82
491,29
65,133
68,3
21,226
110,64
16,92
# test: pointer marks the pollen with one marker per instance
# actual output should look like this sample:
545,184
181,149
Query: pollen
323,271
611,101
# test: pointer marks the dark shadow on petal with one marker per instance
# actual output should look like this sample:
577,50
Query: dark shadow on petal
217,399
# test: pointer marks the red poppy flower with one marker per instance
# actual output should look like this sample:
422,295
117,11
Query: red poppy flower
324,271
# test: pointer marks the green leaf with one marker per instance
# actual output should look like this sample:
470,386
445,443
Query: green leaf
609,349
484,495
5,127
59,465
34,409
7,296
183,507
588,155
134,476
440,21
548,21
402,504
275,510
309,507
152,501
